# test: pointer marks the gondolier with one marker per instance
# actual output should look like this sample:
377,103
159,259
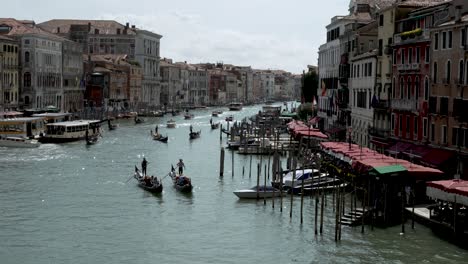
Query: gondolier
191,129
144,163
181,166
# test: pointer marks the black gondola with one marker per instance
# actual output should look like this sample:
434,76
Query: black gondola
181,183
159,137
194,135
215,126
149,184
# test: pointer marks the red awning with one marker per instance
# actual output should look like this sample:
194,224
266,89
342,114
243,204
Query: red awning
314,120
316,134
334,130
399,147
379,143
436,157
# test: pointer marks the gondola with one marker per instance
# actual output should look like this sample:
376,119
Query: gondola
188,116
215,126
159,137
139,120
181,183
194,135
152,185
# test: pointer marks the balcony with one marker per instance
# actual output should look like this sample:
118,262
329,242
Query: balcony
409,67
411,36
405,104
379,132
381,105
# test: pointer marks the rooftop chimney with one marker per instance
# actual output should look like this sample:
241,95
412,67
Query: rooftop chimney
458,13
127,25
133,26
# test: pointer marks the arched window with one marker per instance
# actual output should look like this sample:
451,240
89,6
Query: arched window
448,72
416,88
27,79
26,56
426,88
408,88
461,71
402,84
434,73
393,88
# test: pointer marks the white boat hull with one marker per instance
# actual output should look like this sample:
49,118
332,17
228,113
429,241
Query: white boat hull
23,143
251,194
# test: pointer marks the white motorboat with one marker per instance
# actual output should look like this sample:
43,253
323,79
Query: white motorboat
235,106
260,192
171,124
18,142
309,175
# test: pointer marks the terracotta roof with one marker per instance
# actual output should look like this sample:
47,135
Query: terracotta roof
22,27
421,3
104,26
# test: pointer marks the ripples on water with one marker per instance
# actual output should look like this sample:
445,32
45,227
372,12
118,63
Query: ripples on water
71,203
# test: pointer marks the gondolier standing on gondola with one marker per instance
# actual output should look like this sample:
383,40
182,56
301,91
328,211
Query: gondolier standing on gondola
181,166
191,129
144,163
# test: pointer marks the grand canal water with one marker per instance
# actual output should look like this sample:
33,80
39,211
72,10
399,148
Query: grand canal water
71,203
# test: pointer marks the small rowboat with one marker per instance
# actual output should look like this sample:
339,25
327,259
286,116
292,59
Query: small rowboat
152,185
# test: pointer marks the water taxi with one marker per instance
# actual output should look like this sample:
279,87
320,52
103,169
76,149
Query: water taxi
69,131
235,106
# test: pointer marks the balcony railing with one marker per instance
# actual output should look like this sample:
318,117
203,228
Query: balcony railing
382,104
405,104
409,37
408,66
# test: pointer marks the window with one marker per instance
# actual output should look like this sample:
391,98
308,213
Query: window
432,132
450,39
426,55
393,87
402,56
436,41
461,71
416,88
448,72
26,56
463,37
455,136
434,73
393,122
408,88
401,87
444,40
410,55
444,135
381,20
425,127
415,127
407,125
400,124
418,54
443,106
394,58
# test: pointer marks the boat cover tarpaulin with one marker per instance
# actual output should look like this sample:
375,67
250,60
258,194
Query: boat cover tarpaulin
364,159
311,133
454,190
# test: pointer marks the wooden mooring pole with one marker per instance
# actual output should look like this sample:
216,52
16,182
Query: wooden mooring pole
221,163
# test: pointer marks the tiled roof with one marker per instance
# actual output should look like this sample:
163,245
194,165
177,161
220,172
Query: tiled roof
104,26
421,3
21,27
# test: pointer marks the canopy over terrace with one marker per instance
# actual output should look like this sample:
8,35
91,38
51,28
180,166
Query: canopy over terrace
364,159
449,190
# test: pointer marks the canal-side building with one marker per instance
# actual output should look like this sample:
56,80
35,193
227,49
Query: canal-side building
111,37
172,95
73,77
362,83
447,125
9,72
41,64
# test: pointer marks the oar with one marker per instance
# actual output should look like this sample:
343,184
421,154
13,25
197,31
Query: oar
136,169
165,176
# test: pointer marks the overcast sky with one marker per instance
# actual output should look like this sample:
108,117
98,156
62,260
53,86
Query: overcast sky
265,34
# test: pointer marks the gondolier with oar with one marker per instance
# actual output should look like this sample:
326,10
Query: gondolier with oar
144,163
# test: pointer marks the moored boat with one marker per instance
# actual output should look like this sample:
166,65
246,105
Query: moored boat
139,120
188,116
260,191
151,184
18,142
229,118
